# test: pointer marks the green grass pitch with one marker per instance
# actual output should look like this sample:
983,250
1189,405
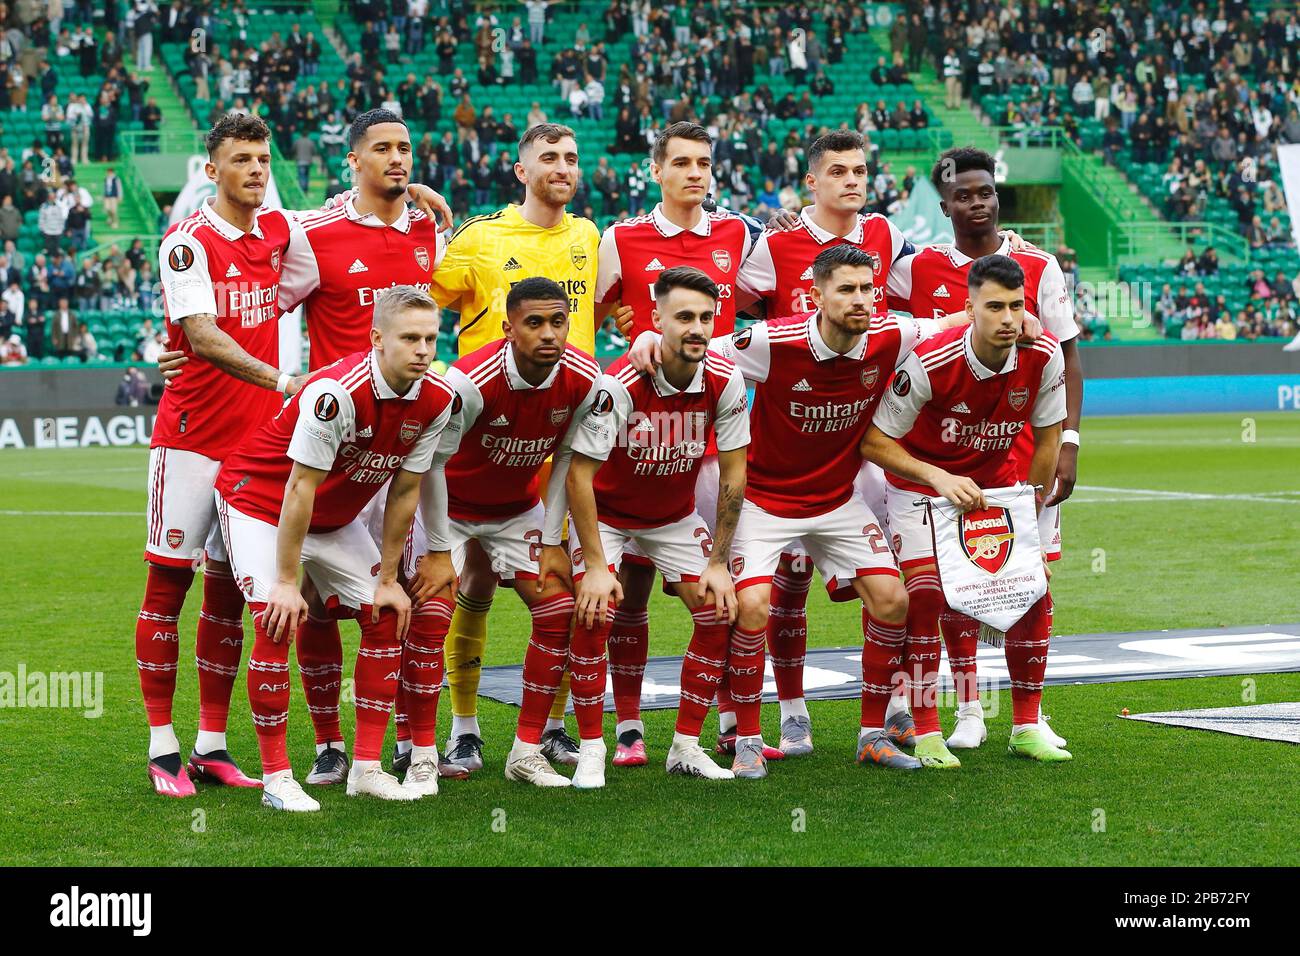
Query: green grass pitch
74,791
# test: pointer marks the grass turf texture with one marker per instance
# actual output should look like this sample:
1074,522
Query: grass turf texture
75,791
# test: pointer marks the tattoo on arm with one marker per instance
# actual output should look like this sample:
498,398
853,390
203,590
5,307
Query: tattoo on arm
730,497
214,345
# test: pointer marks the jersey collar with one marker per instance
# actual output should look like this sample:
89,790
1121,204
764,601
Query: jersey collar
402,224
380,384
823,352
228,230
977,367
822,236
665,389
517,382
701,228
960,258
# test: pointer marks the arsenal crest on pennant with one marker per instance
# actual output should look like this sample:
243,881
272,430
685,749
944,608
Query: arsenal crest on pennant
410,431
987,537
422,257
1017,397
722,259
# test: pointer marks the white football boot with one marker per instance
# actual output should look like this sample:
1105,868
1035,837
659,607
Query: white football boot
527,765
422,776
590,774
970,731
281,792
1053,738
688,758
375,782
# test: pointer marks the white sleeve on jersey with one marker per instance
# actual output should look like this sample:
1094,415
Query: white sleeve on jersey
420,460
898,240
1049,407
730,423
747,249
757,274
557,500
465,410
300,272
899,286
912,332
609,269
186,282
326,418
904,399
749,348
1057,311
598,430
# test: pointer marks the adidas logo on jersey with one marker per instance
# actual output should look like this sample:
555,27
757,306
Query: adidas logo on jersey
653,265
807,274
511,264
367,432
501,422
941,292
357,266
961,408
801,386
232,272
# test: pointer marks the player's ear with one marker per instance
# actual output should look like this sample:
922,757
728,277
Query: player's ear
655,321
376,338
816,296
210,170
520,173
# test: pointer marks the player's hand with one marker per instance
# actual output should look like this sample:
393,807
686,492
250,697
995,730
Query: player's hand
961,491
295,384
1067,472
783,220
286,611
594,592
391,595
170,365
646,353
434,574
338,199
716,587
1017,242
1030,329
554,563
623,320
1047,567
431,203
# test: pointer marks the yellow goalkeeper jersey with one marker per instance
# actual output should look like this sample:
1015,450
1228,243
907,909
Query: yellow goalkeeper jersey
488,254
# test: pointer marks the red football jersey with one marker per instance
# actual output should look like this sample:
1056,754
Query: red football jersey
779,270
946,408
505,428
349,261
348,421
209,266
652,437
635,251
812,406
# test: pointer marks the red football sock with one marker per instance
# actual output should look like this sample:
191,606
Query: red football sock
320,665
629,647
401,713
1026,650
218,647
702,667
268,694
379,665
422,664
745,667
787,627
925,604
587,675
157,643
725,704
961,636
882,657
548,649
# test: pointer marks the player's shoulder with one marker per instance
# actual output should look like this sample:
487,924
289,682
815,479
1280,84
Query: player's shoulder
718,367
475,227
184,228
580,363
277,219
351,372
437,385
940,349
631,226
888,322
1046,345
624,373
582,227
319,218
789,329
483,363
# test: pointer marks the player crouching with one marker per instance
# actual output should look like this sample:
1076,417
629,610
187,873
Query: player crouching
946,428
368,418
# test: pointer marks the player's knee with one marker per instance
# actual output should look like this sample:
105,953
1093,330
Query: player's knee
889,604
753,609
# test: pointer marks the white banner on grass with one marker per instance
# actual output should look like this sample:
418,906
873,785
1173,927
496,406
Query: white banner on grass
990,560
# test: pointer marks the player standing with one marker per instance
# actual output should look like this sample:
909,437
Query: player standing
517,397
486,257
933,283
292,494
220,270
632,479
633,253
947,428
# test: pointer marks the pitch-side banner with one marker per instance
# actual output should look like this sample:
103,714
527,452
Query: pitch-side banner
991,559
1288,162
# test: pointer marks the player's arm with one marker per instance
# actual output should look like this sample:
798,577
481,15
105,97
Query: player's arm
1057,306
428,201
598,586
285,608
609,285
434,573
1048,413
715,583
1047,444
213,345
440,577
399,512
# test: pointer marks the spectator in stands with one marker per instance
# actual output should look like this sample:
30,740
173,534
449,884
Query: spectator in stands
465,116
822,85
84,344
105,129
63,329
6,319
52,221
1208,263
86,289
11,220
35,331
634,184
483,179
304,155
152,347
133,390
13,352
146,18
460,189
144,287
536,21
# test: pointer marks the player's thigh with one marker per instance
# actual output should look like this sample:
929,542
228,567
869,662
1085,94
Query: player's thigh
679,550
344,564
474,567
251,546
847,544
636,573
884,595
514,545
870,484
706,490
182,512
910,534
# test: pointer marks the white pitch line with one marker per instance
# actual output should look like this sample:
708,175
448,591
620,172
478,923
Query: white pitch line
1154,494
65,471
72,514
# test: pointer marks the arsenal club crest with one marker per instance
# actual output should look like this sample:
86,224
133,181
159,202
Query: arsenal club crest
578,255
175,535
870,376
577,557
987,537
722,259
875,260
410,431
558,415
275,260
737,565
422,257
1017,398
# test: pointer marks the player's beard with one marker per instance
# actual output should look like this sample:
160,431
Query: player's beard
393,191
553,194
